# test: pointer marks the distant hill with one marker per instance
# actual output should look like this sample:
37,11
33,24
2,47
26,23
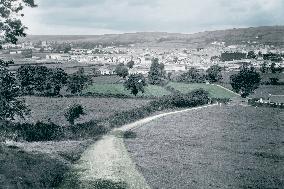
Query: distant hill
272,35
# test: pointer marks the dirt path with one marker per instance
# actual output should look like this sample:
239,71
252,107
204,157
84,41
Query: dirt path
108,158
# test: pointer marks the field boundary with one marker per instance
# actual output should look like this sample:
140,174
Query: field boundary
226,89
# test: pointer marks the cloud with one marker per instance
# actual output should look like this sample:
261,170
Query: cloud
113,16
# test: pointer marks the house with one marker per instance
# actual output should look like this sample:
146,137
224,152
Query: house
106,71
139,70
173,68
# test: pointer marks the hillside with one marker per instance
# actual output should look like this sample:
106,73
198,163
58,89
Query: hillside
273,35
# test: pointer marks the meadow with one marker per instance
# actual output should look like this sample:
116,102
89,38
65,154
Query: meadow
53,109
118,89
214,91
216,147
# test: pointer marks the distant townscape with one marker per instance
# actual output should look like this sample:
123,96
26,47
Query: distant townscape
176,55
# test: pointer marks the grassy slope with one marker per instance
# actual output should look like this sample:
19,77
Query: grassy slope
213,90
20,169
115,89
95,108
218,147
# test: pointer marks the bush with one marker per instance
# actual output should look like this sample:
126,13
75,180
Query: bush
91,128
129,134
74,112
40,131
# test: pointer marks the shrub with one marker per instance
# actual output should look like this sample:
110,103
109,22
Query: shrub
74,112
91,128
40,131
129,134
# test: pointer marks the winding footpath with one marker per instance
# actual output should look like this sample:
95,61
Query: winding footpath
108,158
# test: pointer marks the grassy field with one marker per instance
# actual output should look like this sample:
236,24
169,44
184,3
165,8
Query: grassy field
118,89
43,109
214,91
217,147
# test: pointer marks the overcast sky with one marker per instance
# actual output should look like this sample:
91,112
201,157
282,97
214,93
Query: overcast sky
120,16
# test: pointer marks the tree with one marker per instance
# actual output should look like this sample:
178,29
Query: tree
214,73
273,67
246,81
130,64
263,67
191,76
135,83
121,70
41,80
251,55
77,82
156,75
11,26
73,113
10,105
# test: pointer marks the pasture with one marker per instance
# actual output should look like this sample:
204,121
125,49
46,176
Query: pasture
118,89
214,91
216,147
53,109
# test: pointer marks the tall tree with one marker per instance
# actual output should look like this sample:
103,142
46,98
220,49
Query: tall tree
135,83
77,82
156,75
121,70
11,28
130,64
246,81
214,73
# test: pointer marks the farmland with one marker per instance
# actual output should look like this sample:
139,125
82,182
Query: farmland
43,109
214,91
217,147
118,89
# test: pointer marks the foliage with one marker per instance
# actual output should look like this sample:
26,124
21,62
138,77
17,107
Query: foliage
214,73
156,74
263,67
130,64
251,55
274,81
40,131
11,25
78,81
121,70
191,76
129,134
195,98
273,67
42,80
10,105
246,81
230,56
74,112
135,83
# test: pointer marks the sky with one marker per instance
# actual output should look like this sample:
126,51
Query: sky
90,17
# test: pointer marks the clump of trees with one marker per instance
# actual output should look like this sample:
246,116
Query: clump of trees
77,81
135,83
192,76
245,81
157,74
10,104
121,70
214,73
41,80
73,113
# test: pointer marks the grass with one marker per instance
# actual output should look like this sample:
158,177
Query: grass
44,109
118,89
216,147
214,91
